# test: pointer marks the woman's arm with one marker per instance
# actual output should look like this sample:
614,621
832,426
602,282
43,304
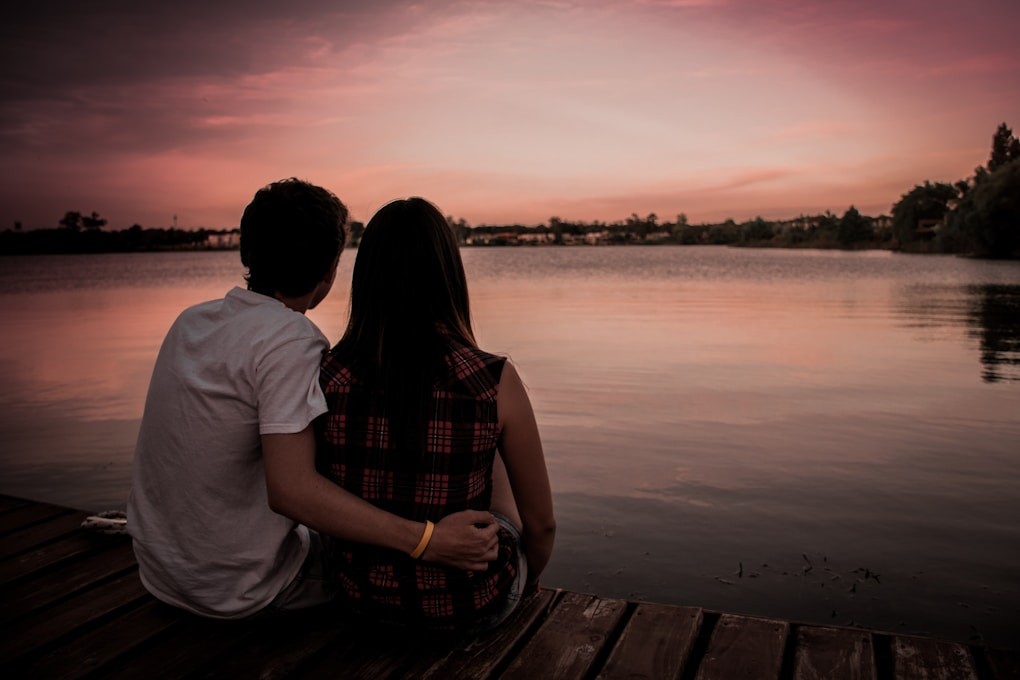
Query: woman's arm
521,450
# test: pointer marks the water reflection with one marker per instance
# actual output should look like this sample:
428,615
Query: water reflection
705,411
988,313
995,322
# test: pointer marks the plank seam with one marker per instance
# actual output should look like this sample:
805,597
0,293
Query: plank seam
882,647
133,651
599,662
34,522
526,637
789,657
41,571
82,629
42,544
85,588
700,646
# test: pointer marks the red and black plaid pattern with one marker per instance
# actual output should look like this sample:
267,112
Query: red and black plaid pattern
454,472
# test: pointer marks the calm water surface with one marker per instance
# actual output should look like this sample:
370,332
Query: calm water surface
822,436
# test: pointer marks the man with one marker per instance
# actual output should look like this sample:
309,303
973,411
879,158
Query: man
225,503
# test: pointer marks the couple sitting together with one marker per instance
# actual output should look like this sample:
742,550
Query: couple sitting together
398,475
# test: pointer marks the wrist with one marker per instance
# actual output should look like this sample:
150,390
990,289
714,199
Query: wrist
423,542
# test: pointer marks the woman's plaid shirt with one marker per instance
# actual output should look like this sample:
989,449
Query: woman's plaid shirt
453,473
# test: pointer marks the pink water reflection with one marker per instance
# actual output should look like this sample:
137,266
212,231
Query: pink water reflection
699,407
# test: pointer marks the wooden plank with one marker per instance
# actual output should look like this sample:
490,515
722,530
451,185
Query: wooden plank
336,654
824,653
917,658
368,652
744,647
479,658
26,516
374,651
49,554
1002,664
656,643
44,589
192,644
42,629
569,641
277,648
8,503
101,646
38,534
73,606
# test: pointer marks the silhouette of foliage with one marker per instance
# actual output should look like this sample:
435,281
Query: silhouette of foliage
756,231
73,239
854,228
1005,148
93,221
990,213
919,211
71,221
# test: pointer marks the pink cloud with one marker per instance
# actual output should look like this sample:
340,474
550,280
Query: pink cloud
510,112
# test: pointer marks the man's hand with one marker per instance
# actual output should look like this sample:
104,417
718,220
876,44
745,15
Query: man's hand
464,540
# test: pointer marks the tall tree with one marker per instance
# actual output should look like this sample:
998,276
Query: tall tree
355,231
556,227
756,231
990,215
1005,148
71,221
93,221
854,228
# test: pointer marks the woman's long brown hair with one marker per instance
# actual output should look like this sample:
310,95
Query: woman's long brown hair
409,299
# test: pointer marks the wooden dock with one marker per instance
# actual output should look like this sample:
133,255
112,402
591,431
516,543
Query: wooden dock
73,607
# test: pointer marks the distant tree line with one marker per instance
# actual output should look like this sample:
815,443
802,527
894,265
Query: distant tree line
80,233
852,230
979,215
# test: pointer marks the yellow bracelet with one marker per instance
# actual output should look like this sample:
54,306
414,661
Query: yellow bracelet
426,536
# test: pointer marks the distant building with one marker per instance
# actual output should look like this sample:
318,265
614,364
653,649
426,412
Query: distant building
223,239
928,227
882,223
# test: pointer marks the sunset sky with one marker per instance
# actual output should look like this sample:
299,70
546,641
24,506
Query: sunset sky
500,112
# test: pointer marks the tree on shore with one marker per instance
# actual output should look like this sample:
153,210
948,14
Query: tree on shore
854,228
71,221
1005,148
355,230
75,221
986,221
756,231
93,221
990,214
925,204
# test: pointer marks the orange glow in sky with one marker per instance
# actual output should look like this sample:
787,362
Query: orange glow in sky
500,112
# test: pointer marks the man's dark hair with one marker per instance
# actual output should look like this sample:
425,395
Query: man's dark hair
291,234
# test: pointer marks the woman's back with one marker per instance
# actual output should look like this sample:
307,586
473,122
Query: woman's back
450,469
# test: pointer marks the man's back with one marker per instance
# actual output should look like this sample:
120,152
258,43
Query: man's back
228,372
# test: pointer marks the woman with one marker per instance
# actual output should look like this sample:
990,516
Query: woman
417,414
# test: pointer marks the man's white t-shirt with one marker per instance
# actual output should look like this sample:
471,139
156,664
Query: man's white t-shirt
228,371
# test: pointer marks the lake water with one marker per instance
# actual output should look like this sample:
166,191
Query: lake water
821,436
